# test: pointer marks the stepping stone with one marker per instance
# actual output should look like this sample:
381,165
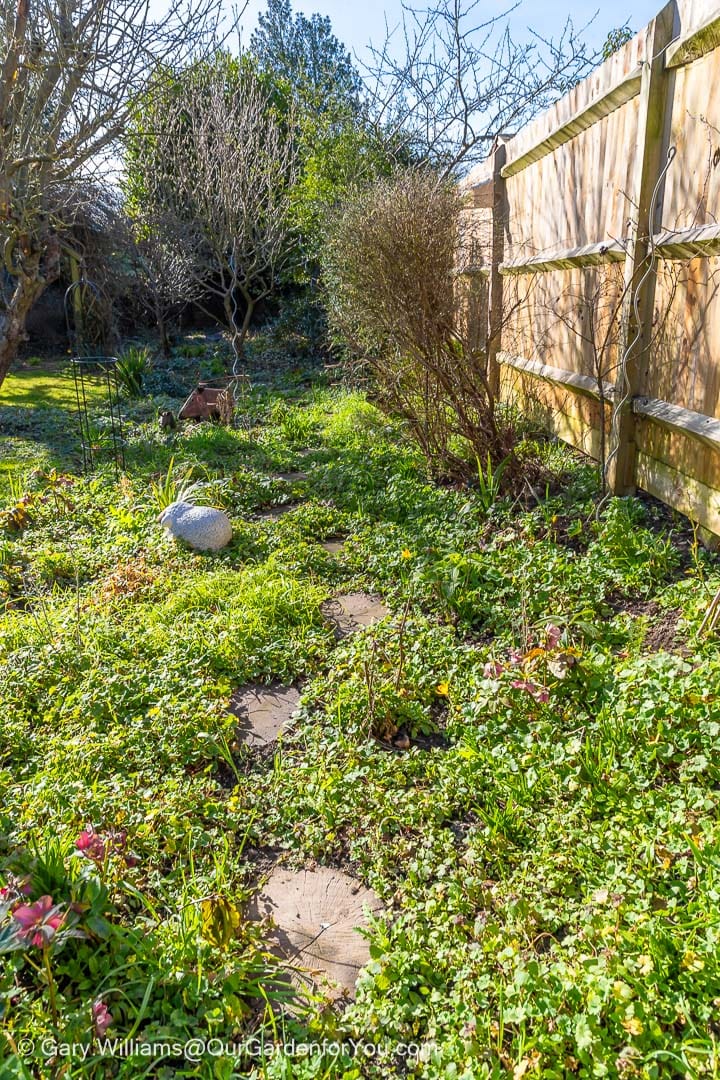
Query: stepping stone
263,711
317,916
333,547
291,477
277,512
353,611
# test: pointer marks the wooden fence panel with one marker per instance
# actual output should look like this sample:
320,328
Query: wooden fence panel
569,202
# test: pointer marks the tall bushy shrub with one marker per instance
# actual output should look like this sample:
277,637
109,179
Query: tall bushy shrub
392,272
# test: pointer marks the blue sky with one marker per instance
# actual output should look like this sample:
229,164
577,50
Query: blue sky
358,22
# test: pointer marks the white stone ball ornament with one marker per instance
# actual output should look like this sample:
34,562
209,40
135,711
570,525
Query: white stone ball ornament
202,527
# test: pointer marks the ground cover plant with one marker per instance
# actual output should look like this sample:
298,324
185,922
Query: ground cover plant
546,849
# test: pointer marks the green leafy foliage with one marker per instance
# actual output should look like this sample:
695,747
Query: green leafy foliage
132,370
547,849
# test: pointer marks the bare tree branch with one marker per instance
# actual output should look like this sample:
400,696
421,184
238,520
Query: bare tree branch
449,83
70,75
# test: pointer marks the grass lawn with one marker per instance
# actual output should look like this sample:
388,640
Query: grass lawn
43,388
545,850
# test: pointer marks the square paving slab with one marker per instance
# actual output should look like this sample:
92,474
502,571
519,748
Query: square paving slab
291,477
276,512
333,547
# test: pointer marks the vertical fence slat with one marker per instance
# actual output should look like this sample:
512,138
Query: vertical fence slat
639,287
499,223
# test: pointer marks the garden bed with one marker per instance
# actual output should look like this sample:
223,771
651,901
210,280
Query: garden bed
544,848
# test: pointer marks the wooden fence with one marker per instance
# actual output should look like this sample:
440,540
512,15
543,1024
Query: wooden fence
599,229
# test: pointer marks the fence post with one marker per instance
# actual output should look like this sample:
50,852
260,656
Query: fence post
495,315
636,333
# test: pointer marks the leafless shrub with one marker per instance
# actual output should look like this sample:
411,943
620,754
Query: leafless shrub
398,298
449,78
166,256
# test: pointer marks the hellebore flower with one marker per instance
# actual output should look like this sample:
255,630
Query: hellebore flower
102,1018
96,846
91,844
538,692
39,922
552,636
493,669
15,887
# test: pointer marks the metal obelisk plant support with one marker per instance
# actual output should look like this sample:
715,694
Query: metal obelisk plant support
86,368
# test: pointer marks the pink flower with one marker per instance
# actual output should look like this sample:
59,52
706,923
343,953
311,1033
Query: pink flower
515,657
91,844
538,692
522,684
15,888
39,922
552,635
493,669
102,1018
96,846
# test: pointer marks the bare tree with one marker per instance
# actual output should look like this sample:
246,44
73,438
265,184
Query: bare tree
223,160
449,82
70,72
166,255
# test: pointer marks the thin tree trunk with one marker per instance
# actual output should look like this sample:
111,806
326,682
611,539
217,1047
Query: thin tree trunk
238,333
162,327
12,334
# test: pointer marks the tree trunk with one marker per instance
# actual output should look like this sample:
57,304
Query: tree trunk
162,327
238,333
12,333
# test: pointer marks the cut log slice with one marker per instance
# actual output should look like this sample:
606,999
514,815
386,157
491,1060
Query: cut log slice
317,917
263,712
351,612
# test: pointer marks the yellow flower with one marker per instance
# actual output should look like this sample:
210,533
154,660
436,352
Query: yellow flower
442,688
405,554
645,964
692,962
621,990
633,1026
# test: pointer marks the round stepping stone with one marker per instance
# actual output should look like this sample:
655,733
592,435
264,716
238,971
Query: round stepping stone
333,547
277,511
291,477
263,711
351,612
317,916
